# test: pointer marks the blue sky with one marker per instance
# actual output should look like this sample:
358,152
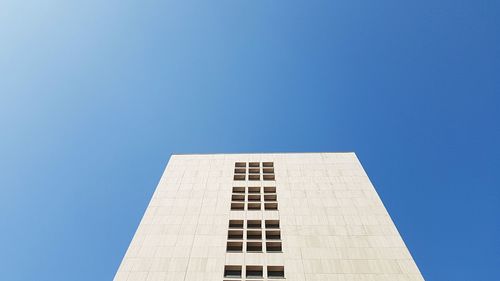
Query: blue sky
95,96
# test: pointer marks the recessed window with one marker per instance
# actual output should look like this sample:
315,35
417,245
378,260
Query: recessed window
269,189
254,224
240,171
234,247
240,164
275,272
270,197
273,235
254,170
254,234
238,189
237,206
268,177
254,177
254,189
239,177
236,224
272,224
254,198
273,247
235,234
232,271
254,164
254,271
271,206
254,206
254,247
268,170
268,164
238,197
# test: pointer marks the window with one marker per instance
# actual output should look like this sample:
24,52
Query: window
239,177
240,164
234,247
270,197
238,189
268,177
268,170
234,234
254,198
254,164
268,164
237,206
240,171
254,224
273,247
272,224
275,272
270,189
238,198
232,271
254,189
254,206
254,170
271,206
254,247
273,235
254,177
236,224
254,271
254,234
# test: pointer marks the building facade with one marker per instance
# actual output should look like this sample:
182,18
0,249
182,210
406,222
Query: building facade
279,216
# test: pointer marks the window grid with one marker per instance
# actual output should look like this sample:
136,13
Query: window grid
254,236
254,171
254,198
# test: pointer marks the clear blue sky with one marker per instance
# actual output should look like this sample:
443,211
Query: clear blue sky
95,96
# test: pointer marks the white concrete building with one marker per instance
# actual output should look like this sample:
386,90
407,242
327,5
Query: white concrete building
292,216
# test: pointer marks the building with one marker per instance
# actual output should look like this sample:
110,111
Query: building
293,216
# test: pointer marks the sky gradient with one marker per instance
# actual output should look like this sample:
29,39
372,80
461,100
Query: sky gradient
96,95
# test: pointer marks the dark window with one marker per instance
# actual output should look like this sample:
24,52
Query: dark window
238,206
254,198
275,272
273,235
270,189
270,197
254,189
235,234
232,271
254,247
271,206
253,206
254,224
273,247
234,247
268,177
239,177
268,170
254,234
236,224
254,271
272,224
254,177
238,189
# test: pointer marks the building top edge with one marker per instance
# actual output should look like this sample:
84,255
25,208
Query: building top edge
222,153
